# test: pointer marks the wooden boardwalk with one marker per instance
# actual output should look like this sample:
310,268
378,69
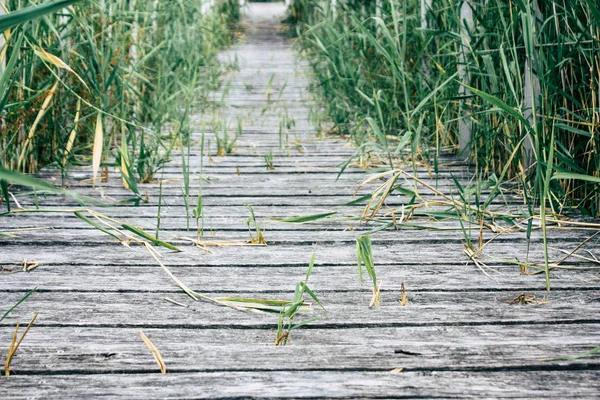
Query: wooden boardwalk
457,337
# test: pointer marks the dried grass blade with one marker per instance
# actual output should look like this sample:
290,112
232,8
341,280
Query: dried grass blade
72,135
95,225
403,296
97,149
182,285
13,348
155,352
38,118
57,62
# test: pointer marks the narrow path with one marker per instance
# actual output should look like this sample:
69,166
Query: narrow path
457,337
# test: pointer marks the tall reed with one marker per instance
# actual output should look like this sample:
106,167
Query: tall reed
114,77
523,77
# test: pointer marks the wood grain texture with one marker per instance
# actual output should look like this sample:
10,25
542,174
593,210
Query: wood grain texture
313,385
458,336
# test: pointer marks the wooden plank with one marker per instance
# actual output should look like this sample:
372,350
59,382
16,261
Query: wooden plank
75,276
236,231
331,385
345,309
111,252
119,350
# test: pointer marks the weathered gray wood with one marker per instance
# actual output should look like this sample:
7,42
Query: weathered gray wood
112,350
464,123
328,385
149,278
276,234
328,253
345,309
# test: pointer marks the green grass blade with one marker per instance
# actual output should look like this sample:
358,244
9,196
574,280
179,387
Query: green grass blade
18,303
29,13
149,237
18,178
95,225
312,294
305,218
311,265
579,177
585,354
502,106
5,195
306,322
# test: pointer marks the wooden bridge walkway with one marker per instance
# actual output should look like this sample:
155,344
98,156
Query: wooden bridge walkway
457,337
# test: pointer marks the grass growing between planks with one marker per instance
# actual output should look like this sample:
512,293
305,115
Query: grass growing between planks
15,343
286,310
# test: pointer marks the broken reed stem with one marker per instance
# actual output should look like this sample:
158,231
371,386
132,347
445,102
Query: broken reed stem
14,347
179,283
403,296
194,295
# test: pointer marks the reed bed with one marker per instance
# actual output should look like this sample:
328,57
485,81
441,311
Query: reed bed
512,86
108,83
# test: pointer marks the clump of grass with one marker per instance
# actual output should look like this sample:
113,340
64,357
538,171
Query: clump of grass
285,324
364,257
286,310
258,237
14,344
225,143
269,160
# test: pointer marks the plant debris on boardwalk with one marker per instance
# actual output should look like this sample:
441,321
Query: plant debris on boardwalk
175,240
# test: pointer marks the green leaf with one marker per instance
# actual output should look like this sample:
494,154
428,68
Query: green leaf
502,106
594,10
95,224
7,72
311,264
405,139
585,354
357,201
18,178
364,255
426,99
305,218
573,130
149,237
5,195
312,294
29,13
579,177
375,128
18,303
291,310
305,322
27,180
